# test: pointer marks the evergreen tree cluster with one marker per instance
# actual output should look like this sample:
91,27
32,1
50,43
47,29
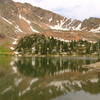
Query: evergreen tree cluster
40,44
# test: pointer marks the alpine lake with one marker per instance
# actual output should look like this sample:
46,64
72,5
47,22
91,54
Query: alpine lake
48,78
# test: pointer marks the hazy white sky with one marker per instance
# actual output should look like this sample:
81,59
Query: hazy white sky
77,9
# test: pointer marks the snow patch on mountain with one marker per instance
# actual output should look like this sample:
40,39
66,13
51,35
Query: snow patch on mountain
7,20
29,22
18,29
67,27
21,17
59,25
97,30
50,19
78,27
33,29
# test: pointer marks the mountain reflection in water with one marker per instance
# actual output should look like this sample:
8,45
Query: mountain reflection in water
46,78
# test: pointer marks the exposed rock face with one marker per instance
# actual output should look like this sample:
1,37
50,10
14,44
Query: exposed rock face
18,19
91,23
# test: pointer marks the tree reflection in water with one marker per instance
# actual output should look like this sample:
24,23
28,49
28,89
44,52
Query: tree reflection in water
41,66
45,78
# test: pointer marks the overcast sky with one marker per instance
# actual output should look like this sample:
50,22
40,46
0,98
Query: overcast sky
77,9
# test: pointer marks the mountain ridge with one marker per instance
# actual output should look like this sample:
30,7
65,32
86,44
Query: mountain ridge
20,19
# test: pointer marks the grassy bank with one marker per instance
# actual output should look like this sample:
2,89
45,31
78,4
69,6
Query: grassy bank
5,50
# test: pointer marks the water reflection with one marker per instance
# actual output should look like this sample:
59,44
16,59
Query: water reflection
46,78
41,66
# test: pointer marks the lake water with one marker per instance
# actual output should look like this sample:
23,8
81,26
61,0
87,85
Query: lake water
48,78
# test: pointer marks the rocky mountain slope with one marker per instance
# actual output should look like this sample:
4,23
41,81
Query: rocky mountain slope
18,19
